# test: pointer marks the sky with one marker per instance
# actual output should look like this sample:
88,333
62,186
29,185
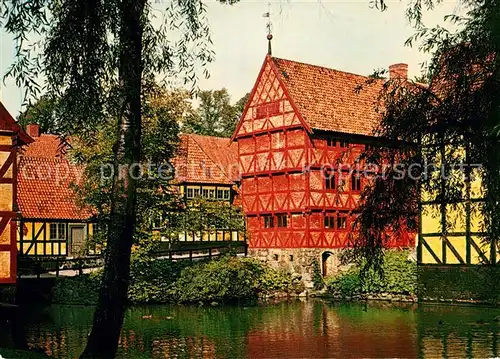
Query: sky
345,35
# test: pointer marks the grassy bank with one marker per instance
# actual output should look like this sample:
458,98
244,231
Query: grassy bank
162,281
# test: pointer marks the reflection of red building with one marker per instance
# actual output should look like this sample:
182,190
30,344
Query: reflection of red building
299,138
304,332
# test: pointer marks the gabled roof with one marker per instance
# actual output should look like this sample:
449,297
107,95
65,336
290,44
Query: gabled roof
7,123
45,178
329,99
206,159
324,99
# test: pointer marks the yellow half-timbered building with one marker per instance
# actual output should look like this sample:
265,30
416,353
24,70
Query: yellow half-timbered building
51,222
206,167
453,232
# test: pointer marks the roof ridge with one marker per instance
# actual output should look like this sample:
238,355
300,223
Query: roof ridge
209,136
321,67
211,159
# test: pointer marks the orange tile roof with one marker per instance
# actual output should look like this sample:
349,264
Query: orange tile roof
44,182
206,159
46,146
330,99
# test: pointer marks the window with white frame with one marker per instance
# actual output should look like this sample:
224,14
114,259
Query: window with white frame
57,231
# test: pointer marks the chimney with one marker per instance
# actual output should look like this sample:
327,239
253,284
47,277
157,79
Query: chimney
33,129
398,71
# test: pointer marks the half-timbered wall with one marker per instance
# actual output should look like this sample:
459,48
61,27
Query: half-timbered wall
34,238
285,195
453,233
272,152
8,253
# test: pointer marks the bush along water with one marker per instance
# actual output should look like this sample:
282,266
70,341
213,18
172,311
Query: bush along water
222,280
396,280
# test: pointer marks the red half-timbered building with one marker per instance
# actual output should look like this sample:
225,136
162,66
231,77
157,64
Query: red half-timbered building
299,138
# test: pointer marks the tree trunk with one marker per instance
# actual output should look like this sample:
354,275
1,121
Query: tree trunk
109,314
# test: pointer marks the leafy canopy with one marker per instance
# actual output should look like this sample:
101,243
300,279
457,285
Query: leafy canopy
215,115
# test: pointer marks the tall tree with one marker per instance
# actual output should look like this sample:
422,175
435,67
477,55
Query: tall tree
42,112
163,110
240,104
94,55
215,115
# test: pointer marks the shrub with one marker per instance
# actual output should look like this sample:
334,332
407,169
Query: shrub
398,276
272,281
151,280
223,280
163,281
79,290
463,283
229,279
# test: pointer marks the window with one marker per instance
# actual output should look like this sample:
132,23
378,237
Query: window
196,192
291,257
205,193
211,193
332,221
282,220
356,182
189,193
333,142
220,194
57,231
341,222
329,221
268,109
268,221
226,194
329,179
334,181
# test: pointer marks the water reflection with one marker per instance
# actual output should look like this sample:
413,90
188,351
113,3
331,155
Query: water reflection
312,329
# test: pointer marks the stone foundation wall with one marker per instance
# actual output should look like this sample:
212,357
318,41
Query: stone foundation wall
299,260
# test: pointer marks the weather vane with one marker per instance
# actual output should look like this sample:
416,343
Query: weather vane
268,27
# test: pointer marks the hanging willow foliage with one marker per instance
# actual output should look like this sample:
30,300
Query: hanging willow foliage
451,123
69,50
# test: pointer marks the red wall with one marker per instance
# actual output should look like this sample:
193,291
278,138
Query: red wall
282,168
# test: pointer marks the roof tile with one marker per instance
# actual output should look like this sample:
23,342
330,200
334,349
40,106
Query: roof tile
331,100
44,184
206,159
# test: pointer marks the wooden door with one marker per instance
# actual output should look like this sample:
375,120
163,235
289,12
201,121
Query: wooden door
77,240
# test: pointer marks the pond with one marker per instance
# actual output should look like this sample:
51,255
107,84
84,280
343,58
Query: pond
295,329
